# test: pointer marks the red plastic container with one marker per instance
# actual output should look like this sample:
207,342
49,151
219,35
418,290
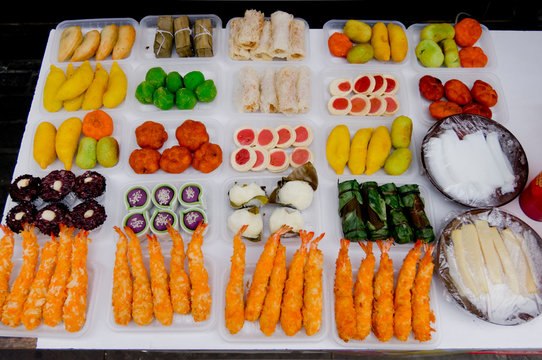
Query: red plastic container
530,199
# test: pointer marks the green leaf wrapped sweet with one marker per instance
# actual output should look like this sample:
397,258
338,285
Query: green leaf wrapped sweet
247,195
350,211
374,209
400,228
415,209
297,189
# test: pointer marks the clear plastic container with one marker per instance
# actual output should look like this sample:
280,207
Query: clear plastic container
210,71
226,46
95,24
485,43
499,111
148,33
337,25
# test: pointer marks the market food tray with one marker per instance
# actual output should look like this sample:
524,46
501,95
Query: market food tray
251,332
148,33
337,25
228,58
94,284
485,43
356,255
500,305
499,111
95,24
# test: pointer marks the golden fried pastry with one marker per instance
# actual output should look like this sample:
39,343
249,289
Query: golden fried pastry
191,134
88,46
108,38
175,160
69,40
151,135
125,41
207,157
144,161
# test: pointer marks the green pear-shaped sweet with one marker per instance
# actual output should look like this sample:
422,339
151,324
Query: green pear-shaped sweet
357,31
429,53
360,54
86,153
437,32
107,151
451,53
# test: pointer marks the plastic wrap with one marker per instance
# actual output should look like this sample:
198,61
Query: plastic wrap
500,305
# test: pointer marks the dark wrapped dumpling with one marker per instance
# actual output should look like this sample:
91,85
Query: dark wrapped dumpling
89,185
49,218
24,212
56,185
88,215
25,188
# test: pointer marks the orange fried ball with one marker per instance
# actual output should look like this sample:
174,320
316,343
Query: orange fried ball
484,93
442,109
176,159
144,161
456,91
151,135
207,157
191,134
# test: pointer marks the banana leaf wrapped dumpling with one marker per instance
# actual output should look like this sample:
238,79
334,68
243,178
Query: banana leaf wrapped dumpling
247,195
350,211
415,209
400,229
297,189
374,210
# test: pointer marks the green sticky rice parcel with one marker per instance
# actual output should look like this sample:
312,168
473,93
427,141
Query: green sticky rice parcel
206,91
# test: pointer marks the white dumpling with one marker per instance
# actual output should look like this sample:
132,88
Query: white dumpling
245,195
286,216
244,217
296,193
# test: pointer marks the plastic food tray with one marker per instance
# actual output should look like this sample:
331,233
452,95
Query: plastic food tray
148,32
485,42
337,25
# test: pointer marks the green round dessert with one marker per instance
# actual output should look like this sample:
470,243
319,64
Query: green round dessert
156,76
185,99
174,81
193,79
144,92
163,98
206,91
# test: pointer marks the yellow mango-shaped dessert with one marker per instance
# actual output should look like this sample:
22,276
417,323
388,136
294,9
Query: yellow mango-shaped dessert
93,98
44,144
117,87
380,42
67,138
338,148
398,42
378,149
78,83
75,103
54,81
358,151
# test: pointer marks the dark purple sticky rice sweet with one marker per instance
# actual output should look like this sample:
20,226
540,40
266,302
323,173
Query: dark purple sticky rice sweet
161,220
25,188
24,212
49,218
56,185
89,185
88,215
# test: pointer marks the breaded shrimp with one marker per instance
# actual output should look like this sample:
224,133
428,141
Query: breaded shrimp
6,264
260,278
33,305
200,293
273,299
402,321
142,311
383,294
345,316
57,292
291,316
179,282
363,292
235,304
312,291
13,307
75,306
122,282
422,316
161,299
